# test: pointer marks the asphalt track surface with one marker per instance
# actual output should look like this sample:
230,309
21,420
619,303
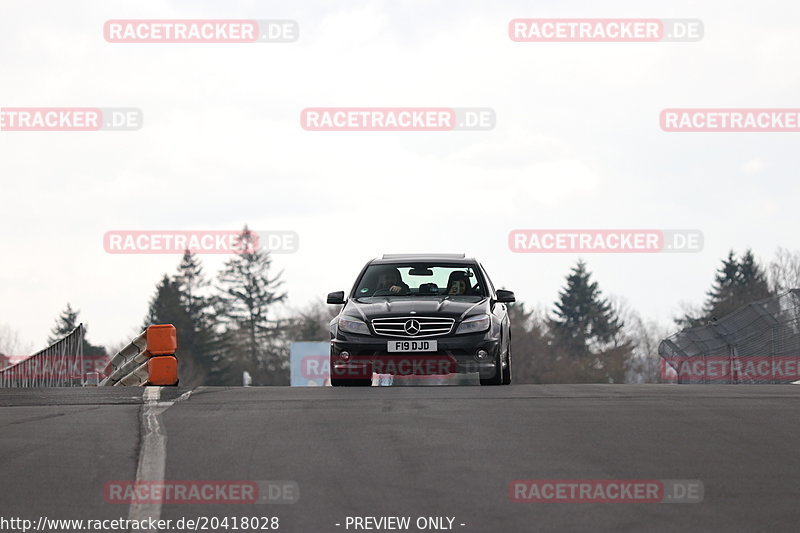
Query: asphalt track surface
418,452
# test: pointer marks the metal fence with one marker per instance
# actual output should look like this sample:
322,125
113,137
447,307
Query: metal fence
757,343
58,365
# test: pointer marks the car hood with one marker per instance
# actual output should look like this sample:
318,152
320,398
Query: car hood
389,306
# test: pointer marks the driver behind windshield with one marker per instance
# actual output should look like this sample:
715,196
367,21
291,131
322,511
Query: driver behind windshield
391,280
458,283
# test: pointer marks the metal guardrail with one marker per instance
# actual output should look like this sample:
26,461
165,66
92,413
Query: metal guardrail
149,359
58,365
738,347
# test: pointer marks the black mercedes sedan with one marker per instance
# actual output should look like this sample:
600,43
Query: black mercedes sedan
421,315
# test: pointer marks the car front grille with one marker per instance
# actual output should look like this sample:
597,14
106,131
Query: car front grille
413,327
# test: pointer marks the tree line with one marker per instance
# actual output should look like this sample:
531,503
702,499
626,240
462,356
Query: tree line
230,324
586,338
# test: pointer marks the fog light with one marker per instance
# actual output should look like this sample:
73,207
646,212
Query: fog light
482,355
344,356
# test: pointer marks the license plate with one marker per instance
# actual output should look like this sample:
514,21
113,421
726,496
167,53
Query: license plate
412,346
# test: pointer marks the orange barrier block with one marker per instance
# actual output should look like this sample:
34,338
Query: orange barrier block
162,370
162,339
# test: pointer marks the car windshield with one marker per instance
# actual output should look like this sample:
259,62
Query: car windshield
420,279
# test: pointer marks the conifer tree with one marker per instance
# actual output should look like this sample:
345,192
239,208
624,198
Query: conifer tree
253,339
66,322
737,282
582,317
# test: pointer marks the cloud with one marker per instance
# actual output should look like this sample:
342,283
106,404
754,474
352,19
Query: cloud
753,166
577,144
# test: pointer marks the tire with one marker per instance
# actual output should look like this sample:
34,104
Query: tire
335,382
347,382
507,372
497,378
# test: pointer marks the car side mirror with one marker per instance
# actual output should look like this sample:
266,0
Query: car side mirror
504,296
336,297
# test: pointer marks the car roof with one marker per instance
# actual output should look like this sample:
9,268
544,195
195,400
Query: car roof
443,258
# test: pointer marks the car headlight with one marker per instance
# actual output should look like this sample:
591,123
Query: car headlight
474,324
351,325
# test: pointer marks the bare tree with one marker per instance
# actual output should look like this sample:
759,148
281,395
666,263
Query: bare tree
311,323
529,347
12,345
784,270
644,366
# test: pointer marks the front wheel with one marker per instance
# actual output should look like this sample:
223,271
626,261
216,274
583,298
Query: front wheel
338,382
497,376
507,372
348,381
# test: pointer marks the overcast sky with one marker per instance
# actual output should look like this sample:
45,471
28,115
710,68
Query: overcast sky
577,144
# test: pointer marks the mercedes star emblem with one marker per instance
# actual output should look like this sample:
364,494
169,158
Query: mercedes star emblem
412,326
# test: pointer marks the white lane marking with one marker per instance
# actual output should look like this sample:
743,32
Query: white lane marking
184,396
152,452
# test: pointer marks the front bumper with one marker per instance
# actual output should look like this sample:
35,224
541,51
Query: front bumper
455,354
